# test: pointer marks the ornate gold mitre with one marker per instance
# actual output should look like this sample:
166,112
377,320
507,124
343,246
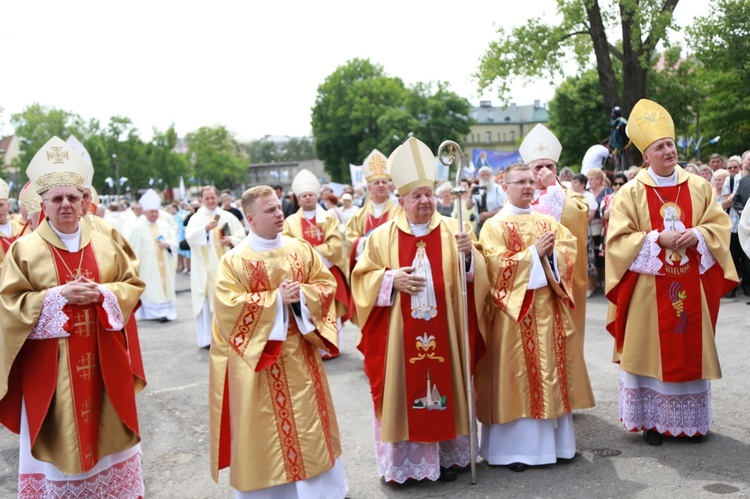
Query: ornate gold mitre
78,146
29,198
648,123
540,143
4,189
305,181
57,164
412,165
374,166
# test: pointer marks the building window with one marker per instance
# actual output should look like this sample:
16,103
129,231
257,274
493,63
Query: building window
512,136
489,137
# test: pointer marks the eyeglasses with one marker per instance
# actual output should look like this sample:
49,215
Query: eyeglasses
72,199
523,182
619,184
550,166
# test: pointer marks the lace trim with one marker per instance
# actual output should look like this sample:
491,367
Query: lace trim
386,290
647,260
402,461
707,260
123,481
677,415
52,318
112,307
550,202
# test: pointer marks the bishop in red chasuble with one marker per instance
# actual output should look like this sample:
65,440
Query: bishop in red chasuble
408,296
667,266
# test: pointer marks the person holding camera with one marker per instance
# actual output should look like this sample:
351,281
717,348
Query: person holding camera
487,198
468,214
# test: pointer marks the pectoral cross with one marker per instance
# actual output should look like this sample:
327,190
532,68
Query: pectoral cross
313,232
85,366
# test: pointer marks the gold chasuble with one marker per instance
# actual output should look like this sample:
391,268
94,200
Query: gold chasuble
574,217
664,325
325,236
270,410
413,349
5,241
363,222
534,366
79,391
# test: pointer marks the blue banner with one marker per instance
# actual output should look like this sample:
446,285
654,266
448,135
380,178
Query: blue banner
497,160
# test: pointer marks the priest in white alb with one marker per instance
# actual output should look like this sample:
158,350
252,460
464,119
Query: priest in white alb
155,243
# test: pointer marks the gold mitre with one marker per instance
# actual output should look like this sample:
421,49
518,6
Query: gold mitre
540,143
94,195
305,181
4,189
29,198
649,122
374,167
57,164
78,146
412,165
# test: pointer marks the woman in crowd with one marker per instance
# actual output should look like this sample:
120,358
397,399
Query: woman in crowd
599,188
444,199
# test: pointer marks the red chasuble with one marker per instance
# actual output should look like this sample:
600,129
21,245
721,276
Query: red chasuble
678,290
99,361
427,354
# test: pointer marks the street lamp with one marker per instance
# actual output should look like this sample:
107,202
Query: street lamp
117,173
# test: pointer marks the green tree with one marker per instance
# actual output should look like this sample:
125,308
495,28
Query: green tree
165,165
36,124
216,157
360,108
537,50
721,41
267,151
346,111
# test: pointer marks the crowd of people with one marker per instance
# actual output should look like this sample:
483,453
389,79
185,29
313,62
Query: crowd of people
275,276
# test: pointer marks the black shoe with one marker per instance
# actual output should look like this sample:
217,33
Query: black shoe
517,467
162,319
696,439
653,437
447,475
731,294
746,291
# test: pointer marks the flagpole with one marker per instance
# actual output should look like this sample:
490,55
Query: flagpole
458,191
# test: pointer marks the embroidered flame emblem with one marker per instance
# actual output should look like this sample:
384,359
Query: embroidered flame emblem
426,345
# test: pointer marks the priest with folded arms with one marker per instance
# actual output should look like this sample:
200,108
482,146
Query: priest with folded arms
408,295
155,243
70,371
667,266
533,374
320,228
271,415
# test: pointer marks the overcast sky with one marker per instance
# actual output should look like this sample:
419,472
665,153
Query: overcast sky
253,66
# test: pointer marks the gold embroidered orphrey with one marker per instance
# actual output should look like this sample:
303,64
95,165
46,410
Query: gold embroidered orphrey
377,166
427,344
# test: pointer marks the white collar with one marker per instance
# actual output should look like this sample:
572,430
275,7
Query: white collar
259,244
71,241
419,229
511,209
663,181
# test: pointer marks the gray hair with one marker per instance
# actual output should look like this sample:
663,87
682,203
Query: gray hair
445,186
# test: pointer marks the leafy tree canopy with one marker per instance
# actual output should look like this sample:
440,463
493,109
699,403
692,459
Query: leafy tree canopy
217,157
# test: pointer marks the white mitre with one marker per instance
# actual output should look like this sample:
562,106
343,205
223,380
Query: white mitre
412,165
540,143
78,146
4,189
305,181
150,200
374,167
29,198
57,164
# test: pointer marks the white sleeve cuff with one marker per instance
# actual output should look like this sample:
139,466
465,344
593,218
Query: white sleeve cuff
537,279
386,298
304,323
112,308
51,318
551,202
706,260
647,260
470,272
360,247
280,324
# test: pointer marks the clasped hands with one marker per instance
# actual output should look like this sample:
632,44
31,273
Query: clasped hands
81,291
290,291
672,239
545,245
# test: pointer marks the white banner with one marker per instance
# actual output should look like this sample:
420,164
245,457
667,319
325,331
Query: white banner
356,173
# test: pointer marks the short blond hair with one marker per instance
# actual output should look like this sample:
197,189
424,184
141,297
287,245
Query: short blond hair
597,173
253,193
515,167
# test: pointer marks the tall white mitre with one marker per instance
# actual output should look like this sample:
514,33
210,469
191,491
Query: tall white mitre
78,146
305,181
374,166
540,143
57,164
412,165
4,189
150,200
